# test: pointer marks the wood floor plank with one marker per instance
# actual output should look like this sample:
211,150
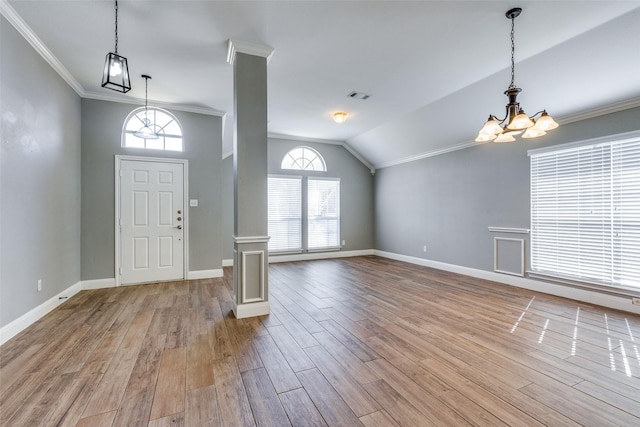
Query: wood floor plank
300,409
266,407
360,402
233,404
282,376
378,419
331,406
100,420
136,407
201,407
170,389
295,355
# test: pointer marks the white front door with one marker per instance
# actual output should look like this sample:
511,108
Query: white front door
151,221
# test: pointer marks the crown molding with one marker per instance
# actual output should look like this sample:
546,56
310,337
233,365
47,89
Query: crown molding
600,111
563,120
166,105
427,154
238,46
18,23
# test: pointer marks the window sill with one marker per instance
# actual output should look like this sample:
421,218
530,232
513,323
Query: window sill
623,291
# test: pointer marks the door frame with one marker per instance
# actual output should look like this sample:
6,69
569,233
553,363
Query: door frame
185,197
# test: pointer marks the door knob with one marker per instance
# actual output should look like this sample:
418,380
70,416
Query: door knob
179,227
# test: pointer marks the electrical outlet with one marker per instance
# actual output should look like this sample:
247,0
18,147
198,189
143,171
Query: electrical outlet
39,285
424,248
344,242
635,301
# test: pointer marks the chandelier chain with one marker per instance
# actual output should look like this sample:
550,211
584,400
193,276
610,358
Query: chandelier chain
513,48
116,52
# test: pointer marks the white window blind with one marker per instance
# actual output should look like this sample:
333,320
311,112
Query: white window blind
285,213
323,207
585,213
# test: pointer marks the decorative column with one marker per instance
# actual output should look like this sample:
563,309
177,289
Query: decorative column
250,249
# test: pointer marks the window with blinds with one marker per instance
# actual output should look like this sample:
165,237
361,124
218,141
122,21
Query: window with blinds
323,219
585,212
285,213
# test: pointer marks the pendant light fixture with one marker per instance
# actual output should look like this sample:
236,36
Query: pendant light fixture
115,75
515,121
146,131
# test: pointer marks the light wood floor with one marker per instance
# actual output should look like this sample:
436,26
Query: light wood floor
360,341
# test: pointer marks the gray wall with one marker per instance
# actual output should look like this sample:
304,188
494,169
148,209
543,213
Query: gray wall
101,129
356,191
39,179
447,202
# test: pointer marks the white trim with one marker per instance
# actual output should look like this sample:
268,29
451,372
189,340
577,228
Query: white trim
619,137
626,104
495,256
273,258
251,239
98,283
185,195
13,328
245,254
239,46
242,311
38,45
509,230
227,262
204,274
598,298
127,99
570,118
428,154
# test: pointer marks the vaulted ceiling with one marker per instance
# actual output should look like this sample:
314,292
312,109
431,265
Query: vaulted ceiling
434,69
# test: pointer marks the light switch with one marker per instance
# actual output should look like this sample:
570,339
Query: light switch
193,203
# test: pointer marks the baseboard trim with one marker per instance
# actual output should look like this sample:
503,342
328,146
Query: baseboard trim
21,323
227,262
204,274
242,311
319,255
591,297
98,284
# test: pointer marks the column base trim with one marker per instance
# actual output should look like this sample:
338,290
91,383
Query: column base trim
242,311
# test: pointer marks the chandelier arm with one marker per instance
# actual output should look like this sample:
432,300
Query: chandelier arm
535,114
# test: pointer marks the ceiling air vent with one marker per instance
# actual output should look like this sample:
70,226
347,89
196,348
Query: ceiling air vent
358,95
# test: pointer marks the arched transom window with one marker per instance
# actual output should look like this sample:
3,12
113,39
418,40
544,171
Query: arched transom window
304,159
162,122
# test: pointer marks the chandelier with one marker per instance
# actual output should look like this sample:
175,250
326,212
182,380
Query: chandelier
516,121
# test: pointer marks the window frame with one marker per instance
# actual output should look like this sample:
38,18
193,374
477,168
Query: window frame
153,111
616,254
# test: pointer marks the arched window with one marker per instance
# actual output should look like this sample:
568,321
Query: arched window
304,159
162,122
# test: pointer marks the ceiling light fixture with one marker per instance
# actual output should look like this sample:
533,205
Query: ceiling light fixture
116,71
515,121
145,131
340,117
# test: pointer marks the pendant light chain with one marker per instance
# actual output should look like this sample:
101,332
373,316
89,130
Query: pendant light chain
146,89
116,51
513,49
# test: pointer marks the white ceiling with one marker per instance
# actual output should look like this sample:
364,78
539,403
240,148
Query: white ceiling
434,69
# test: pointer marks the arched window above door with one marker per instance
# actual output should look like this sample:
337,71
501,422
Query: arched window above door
162,122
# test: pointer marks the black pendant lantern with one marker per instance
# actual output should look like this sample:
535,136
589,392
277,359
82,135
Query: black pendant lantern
115,75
